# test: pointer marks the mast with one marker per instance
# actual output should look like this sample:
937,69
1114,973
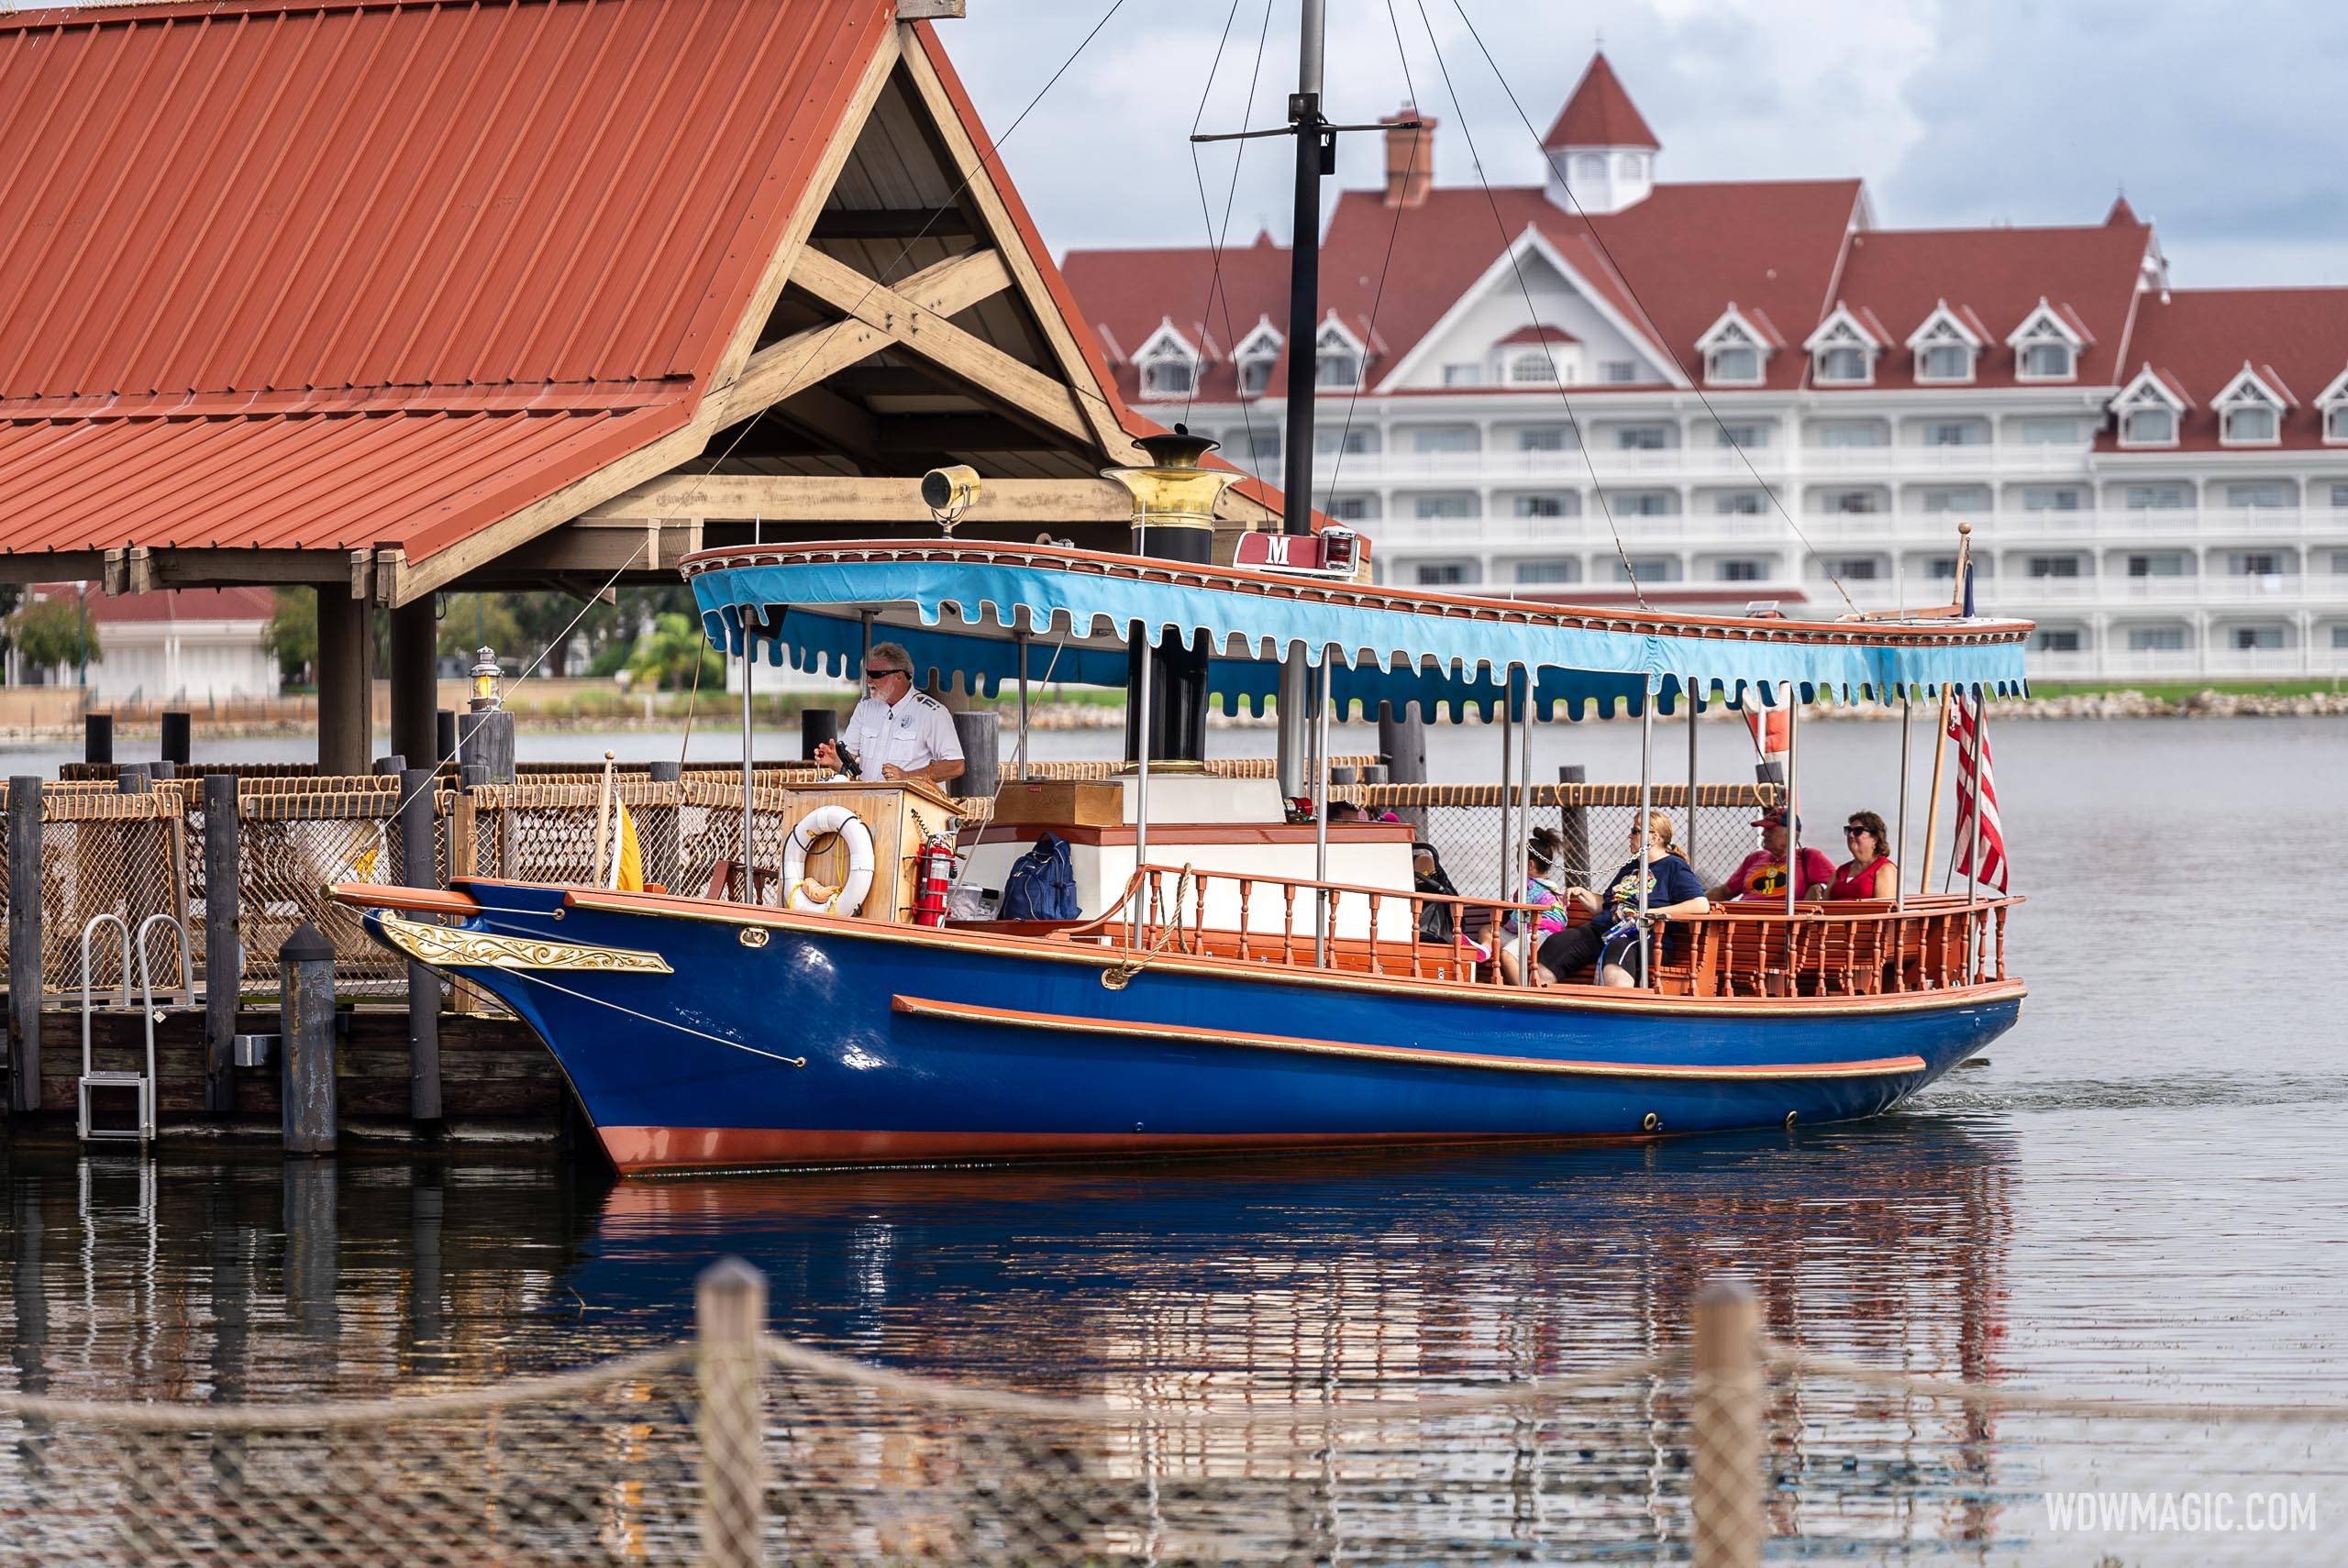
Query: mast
1316,152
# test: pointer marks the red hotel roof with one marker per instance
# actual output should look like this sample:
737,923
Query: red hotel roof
2197,340
348,272
1599,112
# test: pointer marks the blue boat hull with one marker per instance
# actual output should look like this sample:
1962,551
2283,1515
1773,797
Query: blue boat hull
775,1040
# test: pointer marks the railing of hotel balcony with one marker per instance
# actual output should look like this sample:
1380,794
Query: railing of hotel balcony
2205,526
1623,464
2191,664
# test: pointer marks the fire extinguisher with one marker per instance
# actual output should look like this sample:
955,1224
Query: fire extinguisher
935,871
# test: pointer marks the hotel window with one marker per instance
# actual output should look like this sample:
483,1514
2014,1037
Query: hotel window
1847,365
2153,497
2258,494
1167,374
2054,566
1550,505
1651,568
1944,362
2249,639
2164,564
1852,433
1354,508
2047,362
1589,166
1445,508
2055,640
1740,503
1561,570
1353,441
1618,372
2148,428
1264,445
1254,375
1442,574
1957,498
1958,433
1463,375
1738,569
2155,639
1445,438
2340,635
1644,504
1642,439
1750,436
2335,422
2340,495
2250,424
1854,568
1850,503
1734,365
2255,563
1544,438
1942,568
1534,368
2053,498
2049,432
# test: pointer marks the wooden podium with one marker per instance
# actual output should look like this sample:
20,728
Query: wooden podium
899,815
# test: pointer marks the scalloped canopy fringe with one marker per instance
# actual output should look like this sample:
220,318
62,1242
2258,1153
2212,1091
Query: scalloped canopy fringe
967,617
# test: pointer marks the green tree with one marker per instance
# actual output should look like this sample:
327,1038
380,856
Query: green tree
53,634
474,620
668,657
292,635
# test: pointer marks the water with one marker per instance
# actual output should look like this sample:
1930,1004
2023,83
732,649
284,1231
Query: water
2139,1194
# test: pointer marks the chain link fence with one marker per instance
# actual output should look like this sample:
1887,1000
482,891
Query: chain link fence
740,1450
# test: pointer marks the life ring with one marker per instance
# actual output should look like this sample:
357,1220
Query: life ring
814,825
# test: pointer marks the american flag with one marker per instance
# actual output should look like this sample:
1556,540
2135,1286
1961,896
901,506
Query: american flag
1964,715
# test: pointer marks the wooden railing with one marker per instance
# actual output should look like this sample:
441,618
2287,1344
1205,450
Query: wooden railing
1859,948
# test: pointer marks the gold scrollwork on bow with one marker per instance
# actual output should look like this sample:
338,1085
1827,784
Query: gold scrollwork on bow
450,948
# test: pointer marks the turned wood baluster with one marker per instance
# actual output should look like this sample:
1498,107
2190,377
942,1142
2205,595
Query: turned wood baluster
1376,955
1418,912
1287,922
1246,891
2001,941
1198,943
1331,917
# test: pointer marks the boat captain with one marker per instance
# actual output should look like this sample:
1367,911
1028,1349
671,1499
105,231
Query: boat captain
895,732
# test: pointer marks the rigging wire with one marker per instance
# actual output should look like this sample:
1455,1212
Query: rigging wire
1508,245
1216,242
1377,297
1694,384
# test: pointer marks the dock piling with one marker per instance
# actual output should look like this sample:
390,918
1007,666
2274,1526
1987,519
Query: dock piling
223,954
24,943
1726,1410
1573,825
305,977
97,738
178,746
729,1319
419,870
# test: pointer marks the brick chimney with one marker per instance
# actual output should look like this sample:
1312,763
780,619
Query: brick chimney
1409,158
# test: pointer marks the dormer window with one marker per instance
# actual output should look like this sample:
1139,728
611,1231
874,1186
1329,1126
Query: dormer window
1945,344
2334,404
2148,410
1531,368
2148,428
1337,358
1254,375
1842,349
2250,411
1258,352
1734,365
1168,363
2047,344
1736,348
2335,422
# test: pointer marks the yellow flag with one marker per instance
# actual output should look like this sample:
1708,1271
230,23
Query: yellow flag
365,864
628,865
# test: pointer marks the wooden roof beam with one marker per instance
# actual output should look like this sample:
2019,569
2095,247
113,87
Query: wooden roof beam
948,222
787,498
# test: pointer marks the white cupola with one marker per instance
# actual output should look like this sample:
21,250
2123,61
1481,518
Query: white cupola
1602,155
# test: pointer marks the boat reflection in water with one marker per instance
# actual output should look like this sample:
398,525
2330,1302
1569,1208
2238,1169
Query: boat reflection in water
1236,1284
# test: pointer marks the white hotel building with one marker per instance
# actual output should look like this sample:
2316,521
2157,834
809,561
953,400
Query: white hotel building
2157,476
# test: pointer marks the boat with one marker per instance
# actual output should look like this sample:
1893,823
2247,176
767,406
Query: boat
1234,979
1206,1000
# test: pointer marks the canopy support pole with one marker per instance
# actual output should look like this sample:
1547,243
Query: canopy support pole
1295,697
1687,695
1973,945
1793,825
1141,791
1507,772
750,663
1646,814
1933,802
1899,834
1021,636
1321,816
1524,832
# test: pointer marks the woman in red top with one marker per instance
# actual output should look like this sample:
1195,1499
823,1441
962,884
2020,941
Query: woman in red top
1869,873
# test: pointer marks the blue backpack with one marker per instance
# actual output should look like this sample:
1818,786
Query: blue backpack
1041,885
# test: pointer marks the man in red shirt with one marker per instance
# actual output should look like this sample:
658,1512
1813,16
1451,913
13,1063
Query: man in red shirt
1762,876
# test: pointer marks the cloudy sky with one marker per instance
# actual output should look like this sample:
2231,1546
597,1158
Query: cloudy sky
2220,120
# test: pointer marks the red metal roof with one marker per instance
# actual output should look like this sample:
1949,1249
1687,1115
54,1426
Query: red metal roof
1599,112
350,272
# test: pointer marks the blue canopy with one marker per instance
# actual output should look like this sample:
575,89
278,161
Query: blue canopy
967,609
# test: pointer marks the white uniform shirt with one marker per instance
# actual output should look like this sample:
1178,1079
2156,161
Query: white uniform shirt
914,733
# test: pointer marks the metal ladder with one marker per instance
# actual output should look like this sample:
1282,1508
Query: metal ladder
141,1083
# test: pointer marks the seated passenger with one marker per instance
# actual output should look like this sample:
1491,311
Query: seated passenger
1610,939
1762,876
1869,873
1427,876
1543,887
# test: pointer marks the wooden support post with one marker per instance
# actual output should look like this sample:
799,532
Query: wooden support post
134,778
486,741
415,685
1573,826
223,954
306,1046
24,943
729,1318
97,738
1725,1470
444,737
177,749
661,833
419,865
346,693
981,737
